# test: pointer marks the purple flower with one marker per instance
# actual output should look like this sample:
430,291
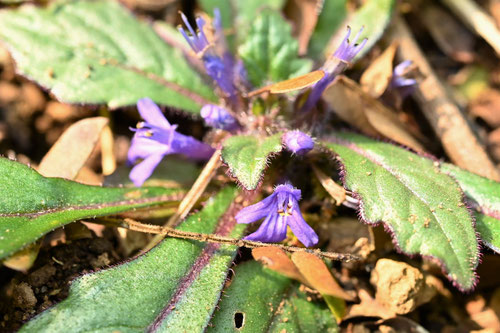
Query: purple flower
279,210
155,138
405,86
335,65
298,142
218,117
219,63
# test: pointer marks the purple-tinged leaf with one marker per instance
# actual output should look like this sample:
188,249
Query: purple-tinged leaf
421,206
174,287
483,197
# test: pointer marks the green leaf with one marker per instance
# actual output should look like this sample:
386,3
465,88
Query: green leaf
302,315
269,51
253,295
32,205
332,15
261,300
172,172
239,14
174,287
247,157
483,196
489,230
97,52
374,16
418,203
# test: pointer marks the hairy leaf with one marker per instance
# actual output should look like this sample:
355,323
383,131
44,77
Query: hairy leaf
247,157
240,14
260,300
420,205
97,52
32,205
174,287
332,15
270,53
374,16
483,196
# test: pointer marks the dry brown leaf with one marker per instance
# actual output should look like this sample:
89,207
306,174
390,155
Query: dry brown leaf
361,110
68,155
304,13
318,275
277,260
377,76
23,260
296,83
335,190
451,36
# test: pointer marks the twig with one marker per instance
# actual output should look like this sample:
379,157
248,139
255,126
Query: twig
450,125
191,197
482,23
210,238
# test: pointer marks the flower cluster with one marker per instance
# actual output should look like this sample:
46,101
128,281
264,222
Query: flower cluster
220,66
279,210
335,65
155,138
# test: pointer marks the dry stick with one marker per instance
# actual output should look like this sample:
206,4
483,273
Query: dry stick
191,197
450,125
482,23
210,238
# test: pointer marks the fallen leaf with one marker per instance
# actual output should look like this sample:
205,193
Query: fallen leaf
377,76
68,155
304,13
23,260
335,190
361,110
277,260
295,83
318,275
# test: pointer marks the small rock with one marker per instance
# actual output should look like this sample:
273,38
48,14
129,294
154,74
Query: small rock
101,261
42,275
23,296
400,287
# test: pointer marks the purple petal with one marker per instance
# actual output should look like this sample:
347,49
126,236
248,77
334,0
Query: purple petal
150,112
298,142
256,211
272,230
218,117
301,229
190,147
143,170
143,147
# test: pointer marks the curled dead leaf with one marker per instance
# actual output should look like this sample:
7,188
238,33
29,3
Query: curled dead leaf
318,275
361,110
295,83
68,155
377,76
